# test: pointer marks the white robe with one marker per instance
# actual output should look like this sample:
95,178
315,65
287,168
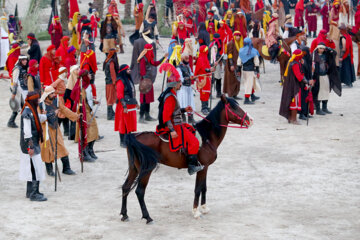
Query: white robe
25,165
4,46
185,95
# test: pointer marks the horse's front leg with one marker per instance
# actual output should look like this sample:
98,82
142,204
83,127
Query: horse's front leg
200,184
203,208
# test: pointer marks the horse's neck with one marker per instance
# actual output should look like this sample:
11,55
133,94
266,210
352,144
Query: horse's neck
215,139
290,40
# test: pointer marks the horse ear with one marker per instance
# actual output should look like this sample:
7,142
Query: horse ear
224,98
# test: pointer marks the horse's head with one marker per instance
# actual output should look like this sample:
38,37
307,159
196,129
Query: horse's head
235,114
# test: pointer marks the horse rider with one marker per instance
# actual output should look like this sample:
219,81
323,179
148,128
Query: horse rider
272,36
182,135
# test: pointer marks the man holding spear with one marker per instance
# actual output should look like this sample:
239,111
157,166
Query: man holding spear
53,145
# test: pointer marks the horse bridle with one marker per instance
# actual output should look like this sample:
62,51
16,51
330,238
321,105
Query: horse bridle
228,109
242,119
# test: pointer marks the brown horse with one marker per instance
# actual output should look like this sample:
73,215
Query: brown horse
145,150
282,59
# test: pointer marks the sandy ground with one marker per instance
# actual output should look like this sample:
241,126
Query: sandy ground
272,181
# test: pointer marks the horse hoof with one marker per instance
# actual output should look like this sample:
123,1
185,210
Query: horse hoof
149,221
204,209
196,213
125,218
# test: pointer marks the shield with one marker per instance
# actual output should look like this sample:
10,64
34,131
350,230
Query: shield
145,85
14,105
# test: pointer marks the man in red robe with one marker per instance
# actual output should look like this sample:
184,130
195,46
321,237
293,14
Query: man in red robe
225,35
113,7
62,51
325,10
322,38
259,5
125,113
299,15
89,63
311,17
49,67
204,82
182,135
55,31
146,60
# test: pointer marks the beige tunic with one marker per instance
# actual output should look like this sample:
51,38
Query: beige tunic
92,129
48,147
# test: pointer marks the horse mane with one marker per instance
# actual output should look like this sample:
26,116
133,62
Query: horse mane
212,121
290,40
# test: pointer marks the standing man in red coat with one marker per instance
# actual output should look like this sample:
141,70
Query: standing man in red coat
146,60
291,95
311,17
55,31
182,135
125,113
62,51
89,63
49,67
110,68
204,82
325,15
299,15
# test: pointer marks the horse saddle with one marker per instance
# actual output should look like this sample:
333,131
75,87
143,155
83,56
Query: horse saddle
165,137
265,50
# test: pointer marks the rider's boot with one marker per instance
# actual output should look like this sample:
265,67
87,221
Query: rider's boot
193,164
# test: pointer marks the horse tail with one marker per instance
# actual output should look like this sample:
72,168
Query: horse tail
147,157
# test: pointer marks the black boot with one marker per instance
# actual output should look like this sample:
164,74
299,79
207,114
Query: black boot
110,115
122,140
191,119
87,156
91,150
142,113
302,117
148,117
247,101
72,130
314,35
183,117
193,164
34,195
66,166
11,123
324,107
66,127
142,118
218,88
49,169
204,108
318,109
28,188
254,98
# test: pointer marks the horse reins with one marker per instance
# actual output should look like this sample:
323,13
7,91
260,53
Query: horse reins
227,108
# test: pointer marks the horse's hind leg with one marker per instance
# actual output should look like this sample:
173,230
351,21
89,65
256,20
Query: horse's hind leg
140,193
126,187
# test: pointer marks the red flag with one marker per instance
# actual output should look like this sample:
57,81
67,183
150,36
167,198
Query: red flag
74,7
